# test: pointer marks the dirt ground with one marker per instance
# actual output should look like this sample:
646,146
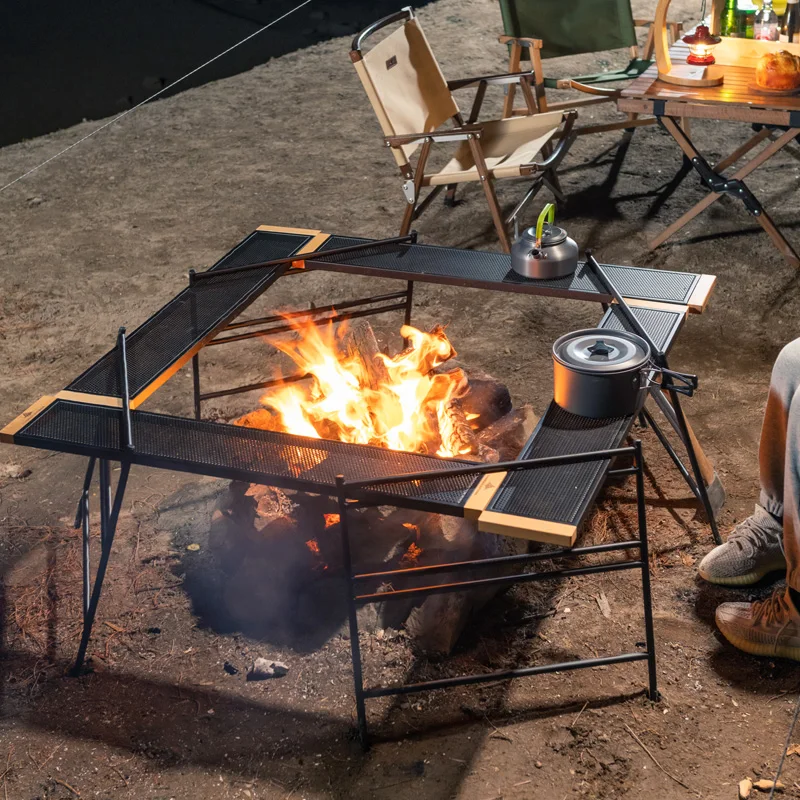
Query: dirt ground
105,235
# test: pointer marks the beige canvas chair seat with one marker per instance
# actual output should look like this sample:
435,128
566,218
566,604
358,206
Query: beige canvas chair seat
509,146
414,104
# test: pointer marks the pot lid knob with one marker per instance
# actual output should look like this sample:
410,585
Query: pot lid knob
600,349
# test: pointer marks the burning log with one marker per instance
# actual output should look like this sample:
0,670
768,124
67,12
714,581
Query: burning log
359,342
462,438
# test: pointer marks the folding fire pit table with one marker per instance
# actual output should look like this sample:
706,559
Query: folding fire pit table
733,101
543,496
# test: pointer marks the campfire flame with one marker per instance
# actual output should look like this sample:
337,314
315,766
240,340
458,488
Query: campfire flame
398,402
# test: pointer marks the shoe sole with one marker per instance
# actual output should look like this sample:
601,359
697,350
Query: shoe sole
748,579
762,649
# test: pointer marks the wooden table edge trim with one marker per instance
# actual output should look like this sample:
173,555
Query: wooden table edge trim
280,229
19,422
482,494
702,293
536,530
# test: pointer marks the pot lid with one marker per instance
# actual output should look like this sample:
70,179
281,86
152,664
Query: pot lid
599,350
551,235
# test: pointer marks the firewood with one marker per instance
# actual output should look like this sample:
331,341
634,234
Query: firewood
359,342
460,437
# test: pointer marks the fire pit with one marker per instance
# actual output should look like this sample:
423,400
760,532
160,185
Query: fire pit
418,399
543,494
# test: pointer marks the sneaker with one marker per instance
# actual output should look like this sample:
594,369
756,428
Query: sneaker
753,549
768,627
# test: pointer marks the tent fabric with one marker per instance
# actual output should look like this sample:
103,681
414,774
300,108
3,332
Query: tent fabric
571,27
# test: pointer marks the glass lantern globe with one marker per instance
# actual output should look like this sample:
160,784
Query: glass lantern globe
701,43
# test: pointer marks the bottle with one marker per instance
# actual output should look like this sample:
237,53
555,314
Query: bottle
790,24
728,24
765,25
745,14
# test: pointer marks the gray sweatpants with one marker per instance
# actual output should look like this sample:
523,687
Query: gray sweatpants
779,454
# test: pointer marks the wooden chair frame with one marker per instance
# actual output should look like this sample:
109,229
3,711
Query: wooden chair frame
415,177
517,44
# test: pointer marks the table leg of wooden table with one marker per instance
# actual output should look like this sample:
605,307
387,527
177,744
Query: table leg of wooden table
683,220
765,221
752,142
763,218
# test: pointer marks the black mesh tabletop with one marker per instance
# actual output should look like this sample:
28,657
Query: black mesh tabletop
564,493
489,270
561,494
662,325
231,451
191,317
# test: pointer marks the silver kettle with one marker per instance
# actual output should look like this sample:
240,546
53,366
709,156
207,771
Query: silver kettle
544,252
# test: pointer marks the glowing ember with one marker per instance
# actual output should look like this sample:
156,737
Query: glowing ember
413,528
411,555
397,402
331,520
312,545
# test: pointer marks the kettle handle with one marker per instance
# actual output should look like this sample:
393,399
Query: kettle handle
548,214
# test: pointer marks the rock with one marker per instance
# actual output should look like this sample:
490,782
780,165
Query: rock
230,669
263,669
508,434
745,787
486,396
439,620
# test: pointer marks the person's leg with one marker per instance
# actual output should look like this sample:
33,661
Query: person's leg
754,548
791,499
772,453
772,626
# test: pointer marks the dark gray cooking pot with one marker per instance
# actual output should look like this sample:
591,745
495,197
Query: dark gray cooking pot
600,373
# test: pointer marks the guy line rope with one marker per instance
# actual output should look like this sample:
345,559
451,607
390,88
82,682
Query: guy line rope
154,96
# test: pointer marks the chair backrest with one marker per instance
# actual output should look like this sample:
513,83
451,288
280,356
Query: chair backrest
403,81
572,27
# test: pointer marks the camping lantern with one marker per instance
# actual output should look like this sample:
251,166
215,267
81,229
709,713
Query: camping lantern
701,43
698,70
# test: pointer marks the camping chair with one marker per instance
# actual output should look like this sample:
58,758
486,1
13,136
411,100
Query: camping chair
540,29
412,101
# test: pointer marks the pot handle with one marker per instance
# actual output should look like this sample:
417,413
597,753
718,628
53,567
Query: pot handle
689,381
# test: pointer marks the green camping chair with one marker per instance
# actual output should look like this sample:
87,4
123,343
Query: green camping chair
540,29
